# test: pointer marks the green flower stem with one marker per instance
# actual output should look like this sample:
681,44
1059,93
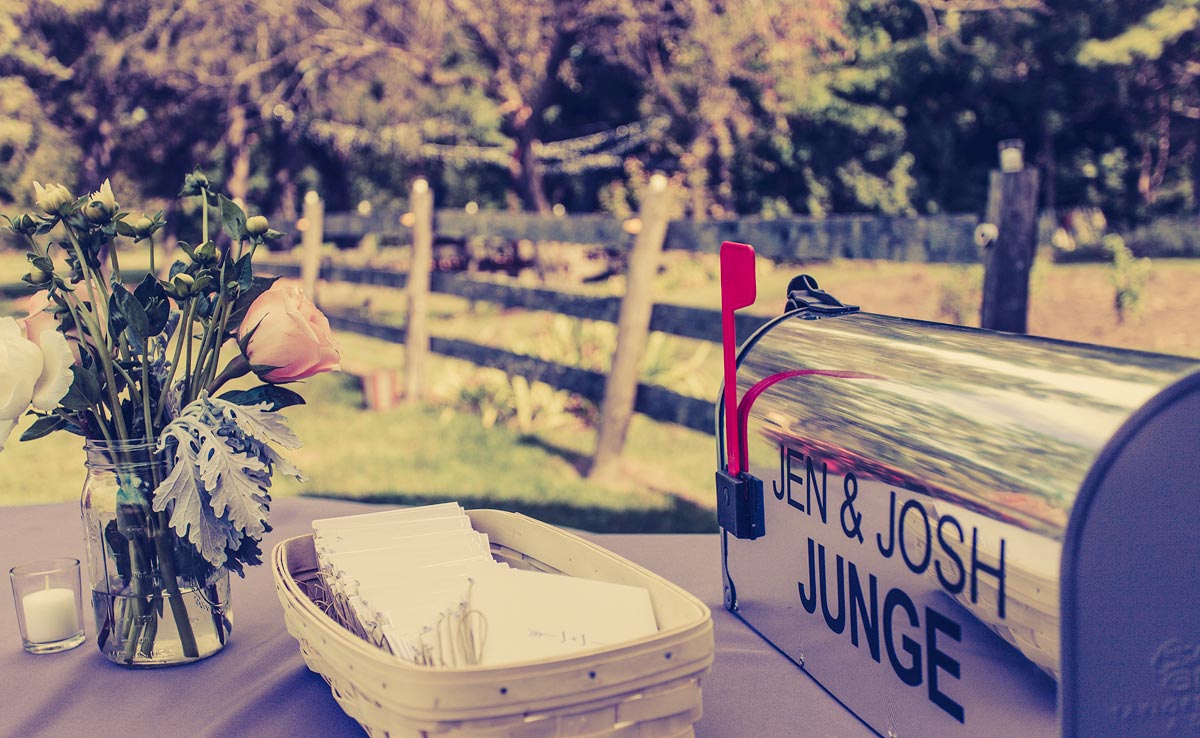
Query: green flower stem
165,545
135,618
89,276
187,376
201,362
149,630
238,366
103,426
150,240
223,309
147,420
94,328
116,264
226,309
203,215
84,317
184,327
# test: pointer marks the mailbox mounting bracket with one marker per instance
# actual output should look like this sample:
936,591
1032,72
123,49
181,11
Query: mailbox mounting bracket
740,504
805,295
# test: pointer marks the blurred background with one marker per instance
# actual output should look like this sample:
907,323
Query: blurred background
803,115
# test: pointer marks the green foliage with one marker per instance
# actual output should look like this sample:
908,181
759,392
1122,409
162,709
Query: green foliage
1146,40
1129,276
961,295
767,107
1165,237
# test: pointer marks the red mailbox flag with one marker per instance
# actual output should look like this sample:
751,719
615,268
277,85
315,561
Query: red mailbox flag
738,290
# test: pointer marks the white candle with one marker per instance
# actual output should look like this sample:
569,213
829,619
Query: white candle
50,615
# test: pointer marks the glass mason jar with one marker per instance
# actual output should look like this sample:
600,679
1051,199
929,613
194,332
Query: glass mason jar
156,601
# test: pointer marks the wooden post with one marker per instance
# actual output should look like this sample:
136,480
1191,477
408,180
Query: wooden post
633,328
416,342
368,245
310,243
1010,246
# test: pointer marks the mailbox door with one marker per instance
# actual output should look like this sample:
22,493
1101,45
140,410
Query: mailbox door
1131,573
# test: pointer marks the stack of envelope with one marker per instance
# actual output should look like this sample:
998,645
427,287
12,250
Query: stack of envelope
422,584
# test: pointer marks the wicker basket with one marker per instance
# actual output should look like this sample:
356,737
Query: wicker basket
648,688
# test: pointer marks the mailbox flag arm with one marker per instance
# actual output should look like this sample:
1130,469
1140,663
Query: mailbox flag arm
743,408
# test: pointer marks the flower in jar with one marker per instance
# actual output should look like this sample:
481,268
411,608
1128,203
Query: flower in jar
101,205
53,198
37,372
285,338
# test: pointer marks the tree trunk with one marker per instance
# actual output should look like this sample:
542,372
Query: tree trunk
1049,172
527,171
238,139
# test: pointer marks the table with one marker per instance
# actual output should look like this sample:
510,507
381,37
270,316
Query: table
259,685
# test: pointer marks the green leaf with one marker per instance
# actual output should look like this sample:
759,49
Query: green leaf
44,426
258,286
233,219
135,315
204,306
177,268
153,298
278,397
84,391
243,271
273,234
187,249
124,228
40,262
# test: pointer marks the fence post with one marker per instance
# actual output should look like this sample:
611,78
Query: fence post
1011,243
633,328
368,245
416,342
310,243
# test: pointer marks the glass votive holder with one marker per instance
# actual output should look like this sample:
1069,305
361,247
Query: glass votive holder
49,607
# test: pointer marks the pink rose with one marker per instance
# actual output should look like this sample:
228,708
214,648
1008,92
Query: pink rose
286,338
39,318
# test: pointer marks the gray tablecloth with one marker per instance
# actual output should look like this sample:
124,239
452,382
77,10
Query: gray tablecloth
259,685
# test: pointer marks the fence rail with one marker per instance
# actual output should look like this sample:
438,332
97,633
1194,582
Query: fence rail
933,238
677,320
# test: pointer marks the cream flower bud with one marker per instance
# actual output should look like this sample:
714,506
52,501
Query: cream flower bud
142,226
102,205
206,253
181,284
256,225
52,198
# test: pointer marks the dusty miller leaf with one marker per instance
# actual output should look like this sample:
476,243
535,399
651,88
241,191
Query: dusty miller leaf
233,482
260,423
181,493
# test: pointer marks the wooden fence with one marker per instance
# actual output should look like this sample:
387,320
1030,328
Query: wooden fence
934,238
945,238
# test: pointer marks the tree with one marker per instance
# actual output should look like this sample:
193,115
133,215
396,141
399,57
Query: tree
1156,62
728,73
32,146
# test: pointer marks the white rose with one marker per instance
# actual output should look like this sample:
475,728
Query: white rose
20,367
56,376
35,371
